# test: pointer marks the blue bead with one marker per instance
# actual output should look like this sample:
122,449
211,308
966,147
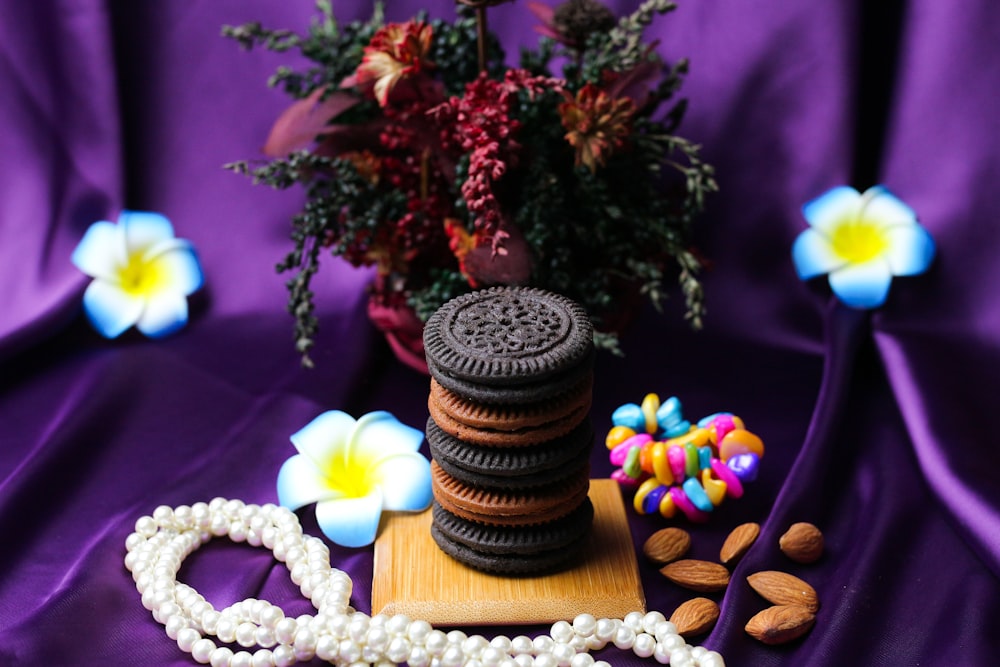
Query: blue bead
745,466
704,457
629,415
651,503
696,494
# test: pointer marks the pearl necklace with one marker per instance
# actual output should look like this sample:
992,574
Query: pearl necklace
338,633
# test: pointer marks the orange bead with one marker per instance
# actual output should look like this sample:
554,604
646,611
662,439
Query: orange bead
740,441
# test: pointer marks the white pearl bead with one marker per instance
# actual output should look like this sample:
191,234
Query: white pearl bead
349,651
524,660
492,657
661,653
398,649
594,643
584,625
221,657
175,624
545,660
202,650
436,642
419,657
186,639
663,629
283,656
522,644
711,659
263,658
601,663
644,645
582,660
246,634
502,643
672,642
651,620
456,637
542,644
327,647
305,644
242,659
146,526
474,646
633,620
264,636
284,630
561,631
453,657
225,630
680,657
605,629
563,653
397,625
624,638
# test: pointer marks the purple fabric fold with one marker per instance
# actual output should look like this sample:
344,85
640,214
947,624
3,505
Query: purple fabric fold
877,426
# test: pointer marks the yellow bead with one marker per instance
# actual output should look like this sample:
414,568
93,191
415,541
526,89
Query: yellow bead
667,507
715,489
617,435
696,436
661,466
650,405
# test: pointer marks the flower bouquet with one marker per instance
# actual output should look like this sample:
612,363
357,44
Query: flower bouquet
425,155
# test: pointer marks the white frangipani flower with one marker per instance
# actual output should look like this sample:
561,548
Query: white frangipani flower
142,275
353,469
861,241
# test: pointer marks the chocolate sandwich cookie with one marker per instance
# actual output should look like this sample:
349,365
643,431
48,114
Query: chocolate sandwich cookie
509,507
529,550
509,345
502,438
508,418
543,562
511,467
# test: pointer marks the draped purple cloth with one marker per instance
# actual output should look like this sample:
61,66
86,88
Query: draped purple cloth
878,426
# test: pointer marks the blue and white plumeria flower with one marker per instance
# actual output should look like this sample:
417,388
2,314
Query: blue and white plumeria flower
861,241
353,469
142,275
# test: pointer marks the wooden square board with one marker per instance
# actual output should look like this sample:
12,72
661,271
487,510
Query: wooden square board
413,576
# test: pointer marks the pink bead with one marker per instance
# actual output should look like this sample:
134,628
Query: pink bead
734,487
623,479
684,504
723,424
677,459
620,451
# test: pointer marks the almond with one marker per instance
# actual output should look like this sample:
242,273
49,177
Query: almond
695,617
781,588
698,575
802,542
780,624
667,545
739,542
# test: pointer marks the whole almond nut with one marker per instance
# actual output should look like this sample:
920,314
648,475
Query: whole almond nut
781,588
698,575
802,542
667,545
738,542
695,617
780,624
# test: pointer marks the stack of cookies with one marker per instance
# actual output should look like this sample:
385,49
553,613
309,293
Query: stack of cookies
509,428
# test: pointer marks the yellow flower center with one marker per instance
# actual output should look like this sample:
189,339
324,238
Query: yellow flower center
352,476
859,240
140,277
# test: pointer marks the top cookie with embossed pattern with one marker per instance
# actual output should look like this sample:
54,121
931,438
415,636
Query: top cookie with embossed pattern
509,344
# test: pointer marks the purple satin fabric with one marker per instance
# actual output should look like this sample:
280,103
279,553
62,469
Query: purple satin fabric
878,427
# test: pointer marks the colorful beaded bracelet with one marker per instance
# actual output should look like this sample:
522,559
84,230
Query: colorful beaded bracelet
674,465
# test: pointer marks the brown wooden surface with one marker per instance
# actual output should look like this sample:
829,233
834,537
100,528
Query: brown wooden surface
413,576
